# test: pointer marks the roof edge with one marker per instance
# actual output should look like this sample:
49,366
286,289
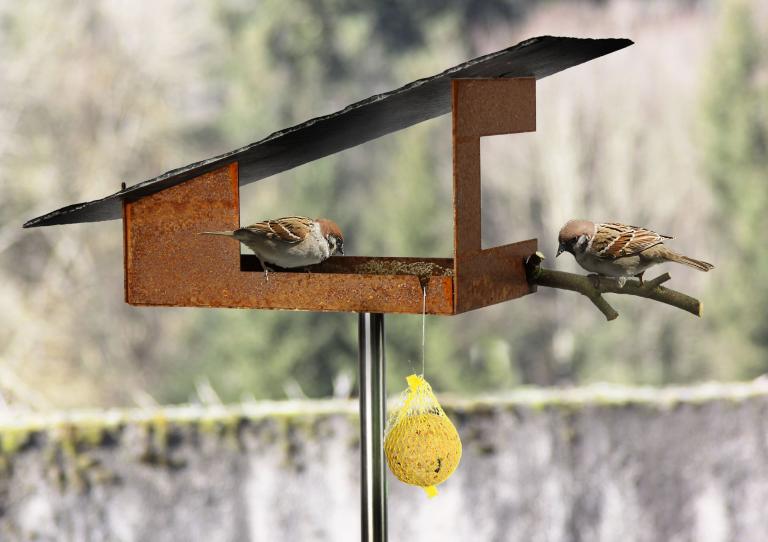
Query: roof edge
110,207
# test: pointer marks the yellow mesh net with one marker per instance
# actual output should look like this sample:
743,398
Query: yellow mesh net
422,445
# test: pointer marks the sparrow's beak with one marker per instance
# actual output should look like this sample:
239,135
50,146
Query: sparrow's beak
560,249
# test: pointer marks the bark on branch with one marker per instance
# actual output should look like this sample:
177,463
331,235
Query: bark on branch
594,289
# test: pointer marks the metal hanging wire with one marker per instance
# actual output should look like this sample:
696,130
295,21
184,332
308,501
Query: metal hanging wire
423,328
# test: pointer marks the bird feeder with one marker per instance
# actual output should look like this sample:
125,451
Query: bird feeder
491,95
168,264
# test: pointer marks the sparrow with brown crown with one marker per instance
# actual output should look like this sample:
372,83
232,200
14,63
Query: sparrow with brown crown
618,250
291,241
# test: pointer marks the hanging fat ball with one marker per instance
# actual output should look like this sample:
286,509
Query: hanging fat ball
291,241
422,446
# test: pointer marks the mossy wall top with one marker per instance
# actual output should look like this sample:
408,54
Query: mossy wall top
600,463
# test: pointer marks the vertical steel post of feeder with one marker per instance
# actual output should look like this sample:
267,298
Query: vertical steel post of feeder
373,480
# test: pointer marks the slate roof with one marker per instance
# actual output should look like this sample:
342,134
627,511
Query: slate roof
362,121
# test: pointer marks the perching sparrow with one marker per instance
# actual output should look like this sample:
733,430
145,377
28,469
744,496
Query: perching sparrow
618,250
291,241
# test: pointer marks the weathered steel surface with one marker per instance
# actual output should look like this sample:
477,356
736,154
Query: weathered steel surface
486,107
167,263
467,192
482,108
492,276
360,122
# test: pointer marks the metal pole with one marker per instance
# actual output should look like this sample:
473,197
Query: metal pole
373,480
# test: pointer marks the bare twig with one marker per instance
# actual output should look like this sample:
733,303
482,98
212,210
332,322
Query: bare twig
594,290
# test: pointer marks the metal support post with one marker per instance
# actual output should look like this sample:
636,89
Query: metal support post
373,480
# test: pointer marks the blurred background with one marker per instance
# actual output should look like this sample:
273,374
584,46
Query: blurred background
671,133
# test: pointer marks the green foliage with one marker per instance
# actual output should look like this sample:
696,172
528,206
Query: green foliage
87,102
263,354
735,160
394,199
736,126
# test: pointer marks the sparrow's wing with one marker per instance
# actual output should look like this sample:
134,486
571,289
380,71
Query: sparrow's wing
289,229
613,240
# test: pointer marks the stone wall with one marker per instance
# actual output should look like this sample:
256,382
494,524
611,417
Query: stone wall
596,464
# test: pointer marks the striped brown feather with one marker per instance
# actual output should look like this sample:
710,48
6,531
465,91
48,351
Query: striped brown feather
617,226
283,233
289,229
600,243
619,240
620,245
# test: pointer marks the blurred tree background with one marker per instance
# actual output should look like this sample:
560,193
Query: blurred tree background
671,133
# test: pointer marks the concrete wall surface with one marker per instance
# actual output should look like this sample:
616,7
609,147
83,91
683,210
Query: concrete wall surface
590,464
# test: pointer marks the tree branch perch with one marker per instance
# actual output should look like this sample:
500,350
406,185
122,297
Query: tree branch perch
594,290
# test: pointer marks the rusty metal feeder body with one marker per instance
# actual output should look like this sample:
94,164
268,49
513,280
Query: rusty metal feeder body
168,264
161,237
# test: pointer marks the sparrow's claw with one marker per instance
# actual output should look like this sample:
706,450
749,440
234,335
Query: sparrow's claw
265,268
640,277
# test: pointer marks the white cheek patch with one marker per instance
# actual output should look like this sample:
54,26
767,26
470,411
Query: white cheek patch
581,242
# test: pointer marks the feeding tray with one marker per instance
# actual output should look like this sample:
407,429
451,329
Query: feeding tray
168,264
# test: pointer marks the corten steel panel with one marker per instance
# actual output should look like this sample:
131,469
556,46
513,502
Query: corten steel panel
350,283
167,263
483,107
494,275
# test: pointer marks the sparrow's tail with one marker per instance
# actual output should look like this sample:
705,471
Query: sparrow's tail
224,233
696,264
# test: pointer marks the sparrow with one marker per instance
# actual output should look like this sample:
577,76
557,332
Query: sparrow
618,250
291,241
